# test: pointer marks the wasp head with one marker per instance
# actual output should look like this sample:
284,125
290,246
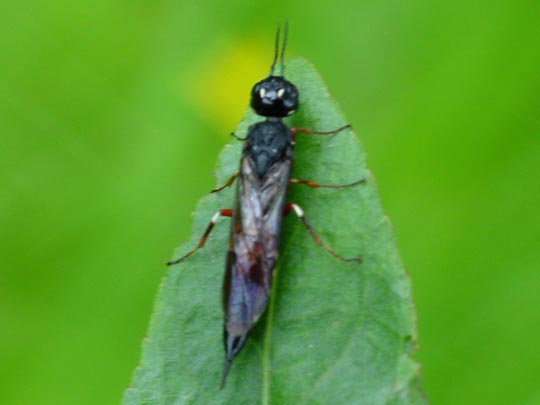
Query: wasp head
274,97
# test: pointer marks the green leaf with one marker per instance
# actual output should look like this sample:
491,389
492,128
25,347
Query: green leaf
334,332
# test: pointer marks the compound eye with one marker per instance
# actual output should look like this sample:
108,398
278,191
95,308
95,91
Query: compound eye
281,92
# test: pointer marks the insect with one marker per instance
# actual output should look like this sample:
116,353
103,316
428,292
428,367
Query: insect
262,183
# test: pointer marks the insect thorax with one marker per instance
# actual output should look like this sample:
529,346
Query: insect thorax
267,142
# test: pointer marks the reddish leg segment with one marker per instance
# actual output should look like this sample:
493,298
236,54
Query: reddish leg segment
228,184
300,214
221,213
312,184
306,131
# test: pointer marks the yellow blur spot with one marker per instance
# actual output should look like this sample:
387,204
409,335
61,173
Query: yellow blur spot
219,87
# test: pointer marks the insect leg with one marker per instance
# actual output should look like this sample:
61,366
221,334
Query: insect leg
312,184
239,138
300,214
228,184
221,213
306,131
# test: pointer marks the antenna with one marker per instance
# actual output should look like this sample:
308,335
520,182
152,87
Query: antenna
276,47
277,51
285,32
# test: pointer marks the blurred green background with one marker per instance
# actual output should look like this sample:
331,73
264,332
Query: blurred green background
112,115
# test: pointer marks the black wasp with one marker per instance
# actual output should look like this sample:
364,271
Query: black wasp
263,180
